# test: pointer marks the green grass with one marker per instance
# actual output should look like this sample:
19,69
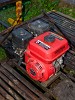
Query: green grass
36,8
40,5
6,13
1,28
3,55
68,11
49,5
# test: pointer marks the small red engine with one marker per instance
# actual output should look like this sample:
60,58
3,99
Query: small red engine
42,53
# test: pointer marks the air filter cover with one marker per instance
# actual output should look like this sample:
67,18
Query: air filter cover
20,38
39,26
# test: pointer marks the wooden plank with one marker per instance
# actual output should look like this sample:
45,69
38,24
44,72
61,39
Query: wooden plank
65,90
5,94
52,79
1,97
24,81
22,93
18,83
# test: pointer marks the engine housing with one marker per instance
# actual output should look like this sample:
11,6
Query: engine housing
38,27
42,53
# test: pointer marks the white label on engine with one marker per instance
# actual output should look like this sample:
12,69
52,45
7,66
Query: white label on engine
40,43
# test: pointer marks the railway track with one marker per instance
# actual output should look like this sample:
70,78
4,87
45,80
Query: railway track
16,84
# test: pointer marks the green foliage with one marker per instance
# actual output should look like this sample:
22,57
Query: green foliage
7,13
48,5
68,11
3,55
1,28
39,5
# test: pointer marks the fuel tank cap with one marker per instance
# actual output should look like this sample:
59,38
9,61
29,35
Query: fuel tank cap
49,38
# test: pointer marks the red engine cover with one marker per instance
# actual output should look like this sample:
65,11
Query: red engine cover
40,54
